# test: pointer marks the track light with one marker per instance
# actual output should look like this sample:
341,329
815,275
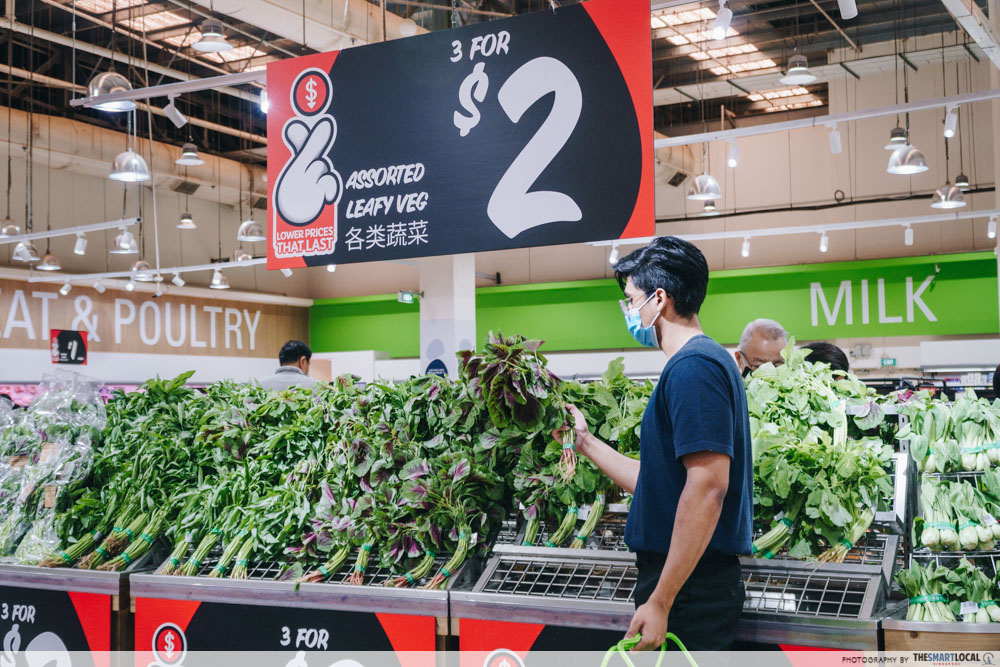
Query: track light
613,256
950,123
907,160
264,104
407,28
835,146
49,263
99,287
798,72
189,156
64,290
286,272
991,228
908,236
81,245
25,252
745,250
734,156
331,268
824,243
722,21
178,281
848,9
212,38
174,114
125,244
130,286
218,281
962,181
107,83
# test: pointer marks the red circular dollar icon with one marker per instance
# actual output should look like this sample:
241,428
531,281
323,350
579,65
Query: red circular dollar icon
311,92
503,658
169,644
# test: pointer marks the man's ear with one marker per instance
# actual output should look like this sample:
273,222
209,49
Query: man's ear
665,303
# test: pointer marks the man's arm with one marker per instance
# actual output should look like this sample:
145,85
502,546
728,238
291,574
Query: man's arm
697,515
622,470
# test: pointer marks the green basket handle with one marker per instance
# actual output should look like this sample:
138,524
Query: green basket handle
623,647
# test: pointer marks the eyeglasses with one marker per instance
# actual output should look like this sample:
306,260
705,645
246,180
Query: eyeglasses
626,304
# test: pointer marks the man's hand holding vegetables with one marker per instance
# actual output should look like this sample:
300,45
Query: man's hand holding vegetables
692,508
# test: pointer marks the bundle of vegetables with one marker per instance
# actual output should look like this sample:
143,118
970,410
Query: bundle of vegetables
816,490
980,593
956,516
951,437
929,589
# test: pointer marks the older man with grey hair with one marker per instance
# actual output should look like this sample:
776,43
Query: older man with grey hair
762,342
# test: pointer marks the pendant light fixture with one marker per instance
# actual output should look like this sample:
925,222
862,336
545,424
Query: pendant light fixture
962,182
710,208
219,281
189,155
897,138
49,263
240,256
186,221
107,83
948,195
250,231
8,228
705,187
907,160
798,72
143,272
213,39
129,166
25,252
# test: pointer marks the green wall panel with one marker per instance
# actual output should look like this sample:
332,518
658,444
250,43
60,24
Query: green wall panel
910,296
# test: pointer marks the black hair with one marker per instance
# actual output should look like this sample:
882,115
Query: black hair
828,353
670,263
996,382
292,351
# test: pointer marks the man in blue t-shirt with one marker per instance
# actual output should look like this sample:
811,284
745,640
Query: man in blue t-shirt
693,492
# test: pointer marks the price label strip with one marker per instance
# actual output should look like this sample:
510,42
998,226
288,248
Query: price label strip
528,131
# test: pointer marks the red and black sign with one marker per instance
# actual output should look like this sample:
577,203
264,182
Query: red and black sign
528,131
56,622
181,632
68,347
503,639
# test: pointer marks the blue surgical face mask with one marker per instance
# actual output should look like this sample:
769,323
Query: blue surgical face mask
645,336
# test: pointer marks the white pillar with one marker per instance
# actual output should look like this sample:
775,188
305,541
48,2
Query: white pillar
447,311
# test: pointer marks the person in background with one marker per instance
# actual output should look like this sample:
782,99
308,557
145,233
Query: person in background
762,342
294,359
996,382
828,353
692,507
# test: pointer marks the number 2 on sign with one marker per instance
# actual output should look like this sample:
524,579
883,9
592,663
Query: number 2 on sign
512,207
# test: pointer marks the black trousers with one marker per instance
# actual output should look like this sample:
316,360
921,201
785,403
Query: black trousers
709,605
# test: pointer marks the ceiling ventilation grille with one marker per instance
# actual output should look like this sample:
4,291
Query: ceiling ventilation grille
185,187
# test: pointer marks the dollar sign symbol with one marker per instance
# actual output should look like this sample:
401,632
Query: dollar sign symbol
11,645
168,643
474,86
311,93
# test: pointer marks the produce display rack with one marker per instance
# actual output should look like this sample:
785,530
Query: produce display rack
88,610
900,634
214,613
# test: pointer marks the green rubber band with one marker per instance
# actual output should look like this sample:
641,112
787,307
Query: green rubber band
102,551
409,578
787,522
430,553
922,599
196,562
131,535
968,524
753,548
987,603
147,538
581,537
847,544
549,544
216,531
574,510
116,529
243,561
569,445
220,568
528,543
242,533
126,558
445,573
462,534
366,546
768,554
65,557
359,568
175,562
324,571
940,525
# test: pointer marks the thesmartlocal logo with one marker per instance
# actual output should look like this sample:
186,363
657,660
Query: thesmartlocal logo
954,658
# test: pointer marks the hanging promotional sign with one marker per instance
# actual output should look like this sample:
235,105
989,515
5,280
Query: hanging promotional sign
529,131
68,347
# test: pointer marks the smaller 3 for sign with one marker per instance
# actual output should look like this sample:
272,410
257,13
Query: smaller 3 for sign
534,130
68,347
